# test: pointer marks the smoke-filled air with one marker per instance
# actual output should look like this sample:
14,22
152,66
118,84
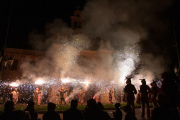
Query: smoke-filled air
118,26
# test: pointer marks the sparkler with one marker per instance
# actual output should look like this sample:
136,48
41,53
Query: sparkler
66,80
39,82
14,84
126,64
86,82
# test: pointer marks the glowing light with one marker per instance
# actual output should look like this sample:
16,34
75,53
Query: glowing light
65,80
14,84
86,82
39,82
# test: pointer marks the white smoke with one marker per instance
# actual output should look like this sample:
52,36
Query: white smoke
78,90
72,94
123,23
151,69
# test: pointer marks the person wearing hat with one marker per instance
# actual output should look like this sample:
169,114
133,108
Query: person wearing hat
169,90
15,95
154,92
81,97
130,90
110,96
36,92
144,91
40,93
61,93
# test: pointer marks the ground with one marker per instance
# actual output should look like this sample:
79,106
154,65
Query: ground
43,108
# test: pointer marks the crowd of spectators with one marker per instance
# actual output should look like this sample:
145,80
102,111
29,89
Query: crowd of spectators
93,111
167,100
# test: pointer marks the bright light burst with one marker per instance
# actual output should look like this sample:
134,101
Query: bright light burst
14,84
126,64
86,82
66,80
39,82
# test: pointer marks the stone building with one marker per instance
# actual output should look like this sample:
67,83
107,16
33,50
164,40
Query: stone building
19,56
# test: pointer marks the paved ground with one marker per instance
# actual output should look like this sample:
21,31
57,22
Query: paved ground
110,112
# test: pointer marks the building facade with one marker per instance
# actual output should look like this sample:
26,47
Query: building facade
104,54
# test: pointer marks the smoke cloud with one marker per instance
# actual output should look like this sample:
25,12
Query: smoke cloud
124,23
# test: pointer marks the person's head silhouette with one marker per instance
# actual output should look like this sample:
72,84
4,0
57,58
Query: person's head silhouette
74,104
9,106
51,107
143,81
128,80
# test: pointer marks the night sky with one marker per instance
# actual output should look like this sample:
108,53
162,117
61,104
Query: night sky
32,15
27,16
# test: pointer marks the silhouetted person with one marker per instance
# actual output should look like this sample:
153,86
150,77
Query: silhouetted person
118,113
51,114
73,113
31,110
154,92
162,112
8,111
129,114
169,89
130,90
105,115
144,90
92,112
